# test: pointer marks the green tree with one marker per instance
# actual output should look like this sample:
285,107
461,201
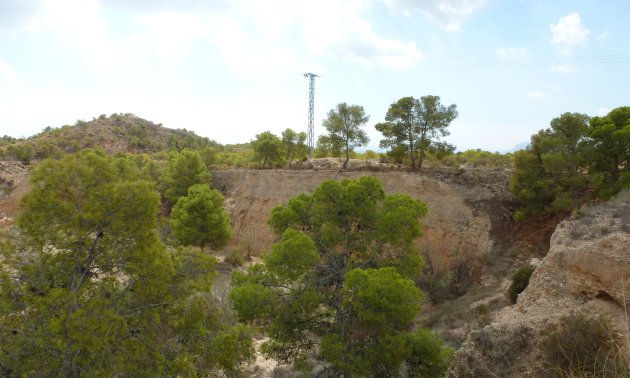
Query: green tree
91,290
400,130
183,170
344,125
267,148
23,152
610,150
548,174
137,167
200,218
339,278
328,147
209,155
47,149
415,124
380,305
440,150
294,145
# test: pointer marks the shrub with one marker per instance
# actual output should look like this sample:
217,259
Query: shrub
234,258
520,280
482,314
448,274
583,347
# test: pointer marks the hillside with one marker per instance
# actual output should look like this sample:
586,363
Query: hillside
471,243
115,133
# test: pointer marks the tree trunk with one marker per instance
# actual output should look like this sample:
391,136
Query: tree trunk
421,151
413,160
345,163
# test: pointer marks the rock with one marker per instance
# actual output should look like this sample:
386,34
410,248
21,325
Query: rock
585,271
535,261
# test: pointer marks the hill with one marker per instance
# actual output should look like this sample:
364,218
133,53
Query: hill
115,133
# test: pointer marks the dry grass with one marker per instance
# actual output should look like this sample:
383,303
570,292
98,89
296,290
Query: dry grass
583,347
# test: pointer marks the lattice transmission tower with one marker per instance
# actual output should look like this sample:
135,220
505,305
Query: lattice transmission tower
311,111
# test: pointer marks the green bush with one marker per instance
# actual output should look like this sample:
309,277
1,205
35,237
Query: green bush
234,258
583,347
428,357
520,280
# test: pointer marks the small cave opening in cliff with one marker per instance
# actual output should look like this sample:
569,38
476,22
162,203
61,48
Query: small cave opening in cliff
606,297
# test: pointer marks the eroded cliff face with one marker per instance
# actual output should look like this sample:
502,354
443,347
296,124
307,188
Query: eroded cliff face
586,271
464,207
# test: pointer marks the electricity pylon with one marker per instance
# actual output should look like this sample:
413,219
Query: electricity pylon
311,111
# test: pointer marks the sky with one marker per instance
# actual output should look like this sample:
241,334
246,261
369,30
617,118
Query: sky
230,69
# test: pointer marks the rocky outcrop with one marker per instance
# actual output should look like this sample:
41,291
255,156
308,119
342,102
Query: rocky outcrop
587,270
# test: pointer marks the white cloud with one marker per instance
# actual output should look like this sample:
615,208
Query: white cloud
603,112
512,53
347,35
569,32
603,35
537,95
7,73
255,33
450,14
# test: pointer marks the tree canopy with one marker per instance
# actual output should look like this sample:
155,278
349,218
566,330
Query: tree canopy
91,290
344,125
414,125
268,149
294,145
576,159
610,150
338,281
200,218
328,147
183,170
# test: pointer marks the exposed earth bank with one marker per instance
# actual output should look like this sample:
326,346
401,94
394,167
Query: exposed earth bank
469,211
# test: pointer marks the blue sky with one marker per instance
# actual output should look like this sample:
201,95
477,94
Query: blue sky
229,69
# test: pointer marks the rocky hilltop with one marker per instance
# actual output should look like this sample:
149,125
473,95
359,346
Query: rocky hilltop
586,271
115,133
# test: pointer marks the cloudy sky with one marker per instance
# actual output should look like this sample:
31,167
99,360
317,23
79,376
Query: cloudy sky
229,69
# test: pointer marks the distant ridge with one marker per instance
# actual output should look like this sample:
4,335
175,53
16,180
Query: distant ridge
518,147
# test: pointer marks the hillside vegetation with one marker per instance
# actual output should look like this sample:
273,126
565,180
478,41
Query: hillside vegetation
109,262
116,133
